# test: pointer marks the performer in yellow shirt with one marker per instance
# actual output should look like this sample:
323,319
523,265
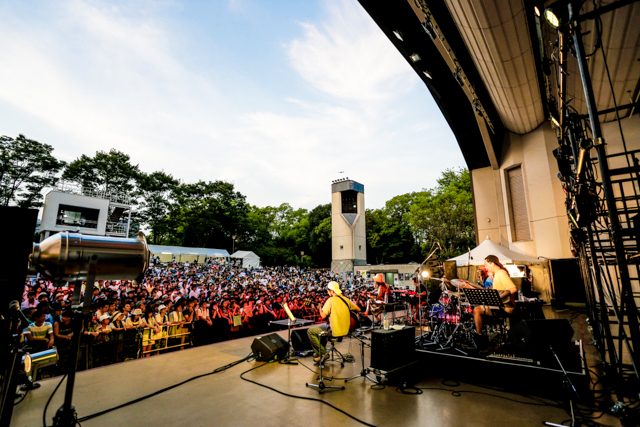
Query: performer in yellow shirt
339,318
501,283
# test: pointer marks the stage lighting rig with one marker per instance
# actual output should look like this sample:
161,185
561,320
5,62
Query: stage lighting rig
72,257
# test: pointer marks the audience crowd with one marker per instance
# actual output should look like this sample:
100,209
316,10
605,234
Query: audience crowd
177,305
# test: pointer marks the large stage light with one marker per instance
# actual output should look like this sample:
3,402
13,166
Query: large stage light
552,18
40,360
67,257
425,274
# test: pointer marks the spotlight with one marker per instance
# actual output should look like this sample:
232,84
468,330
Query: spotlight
552,18
66,257
425,274
557,14
398,34
415,57
428,74
40,360
536,9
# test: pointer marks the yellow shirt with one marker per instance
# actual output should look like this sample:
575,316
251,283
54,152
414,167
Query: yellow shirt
339,316
502,282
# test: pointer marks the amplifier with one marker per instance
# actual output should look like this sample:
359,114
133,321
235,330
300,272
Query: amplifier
269,347
392,349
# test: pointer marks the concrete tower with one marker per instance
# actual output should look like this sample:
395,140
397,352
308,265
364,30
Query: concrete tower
348,226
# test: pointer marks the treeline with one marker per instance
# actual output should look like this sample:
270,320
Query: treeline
213,214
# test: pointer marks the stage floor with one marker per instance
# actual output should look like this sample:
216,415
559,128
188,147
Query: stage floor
224,399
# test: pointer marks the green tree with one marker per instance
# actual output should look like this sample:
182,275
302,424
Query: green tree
320,235
26,168
110,172
207,214
389,236
445,214
156,191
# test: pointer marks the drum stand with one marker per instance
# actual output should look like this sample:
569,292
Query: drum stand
364,371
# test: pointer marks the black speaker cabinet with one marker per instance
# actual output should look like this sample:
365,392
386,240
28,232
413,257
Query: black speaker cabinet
300,340
538,335
269,347
392,349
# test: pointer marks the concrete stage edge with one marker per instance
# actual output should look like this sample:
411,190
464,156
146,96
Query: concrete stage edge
224,399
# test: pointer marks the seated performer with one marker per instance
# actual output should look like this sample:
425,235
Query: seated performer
501,283
377,299
338,309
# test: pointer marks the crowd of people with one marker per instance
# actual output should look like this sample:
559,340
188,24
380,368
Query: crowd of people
186,303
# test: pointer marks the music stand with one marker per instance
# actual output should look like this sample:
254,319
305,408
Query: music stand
483,297
290,359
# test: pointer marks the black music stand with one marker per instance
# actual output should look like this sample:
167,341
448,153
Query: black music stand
483,297
290,359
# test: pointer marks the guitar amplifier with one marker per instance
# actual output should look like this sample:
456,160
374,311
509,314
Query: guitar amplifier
392,349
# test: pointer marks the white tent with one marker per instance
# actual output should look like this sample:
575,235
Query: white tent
480,252
539,266
182,254
249,259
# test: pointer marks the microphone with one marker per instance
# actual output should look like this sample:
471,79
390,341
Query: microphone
15,307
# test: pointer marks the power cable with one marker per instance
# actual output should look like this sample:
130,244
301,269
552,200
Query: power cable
218,370
299,397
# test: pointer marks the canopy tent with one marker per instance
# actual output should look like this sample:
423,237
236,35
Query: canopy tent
505,255
249,259
184,254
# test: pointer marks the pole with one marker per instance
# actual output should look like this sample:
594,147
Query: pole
626,296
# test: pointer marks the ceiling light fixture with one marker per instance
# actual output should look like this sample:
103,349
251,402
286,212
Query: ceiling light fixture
415,57
398,35
428,74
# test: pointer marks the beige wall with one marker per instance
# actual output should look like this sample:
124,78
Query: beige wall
345,235
544,196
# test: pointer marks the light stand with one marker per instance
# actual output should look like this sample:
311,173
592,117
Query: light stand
364,372
568,386
290,359
72,257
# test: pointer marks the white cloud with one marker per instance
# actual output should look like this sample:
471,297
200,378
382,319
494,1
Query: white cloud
95,77
348,57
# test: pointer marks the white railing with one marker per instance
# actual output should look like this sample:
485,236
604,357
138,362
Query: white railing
71,187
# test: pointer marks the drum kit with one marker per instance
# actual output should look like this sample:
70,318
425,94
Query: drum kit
450,321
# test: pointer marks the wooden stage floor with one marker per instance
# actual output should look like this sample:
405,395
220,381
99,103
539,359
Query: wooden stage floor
224,399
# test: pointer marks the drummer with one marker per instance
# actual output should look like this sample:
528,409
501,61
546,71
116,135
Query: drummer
501,283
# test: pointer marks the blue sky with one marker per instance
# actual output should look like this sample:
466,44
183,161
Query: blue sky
275,96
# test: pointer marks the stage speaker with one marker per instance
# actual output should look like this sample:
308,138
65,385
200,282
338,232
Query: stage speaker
392,349
537,335
300,340
269,347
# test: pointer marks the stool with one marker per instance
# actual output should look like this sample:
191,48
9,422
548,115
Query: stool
326,339
332,350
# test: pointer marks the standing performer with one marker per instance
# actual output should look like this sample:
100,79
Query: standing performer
338,308
419,300
501,283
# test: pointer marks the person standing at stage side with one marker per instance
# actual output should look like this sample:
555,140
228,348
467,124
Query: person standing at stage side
501,283
338,309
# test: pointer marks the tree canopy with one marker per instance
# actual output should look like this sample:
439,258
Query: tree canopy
214,213
27,167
